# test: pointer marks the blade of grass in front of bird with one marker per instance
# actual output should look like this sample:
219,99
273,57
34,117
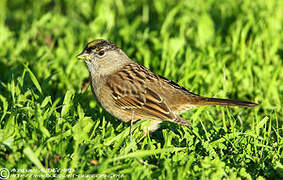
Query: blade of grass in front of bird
33,79
143,153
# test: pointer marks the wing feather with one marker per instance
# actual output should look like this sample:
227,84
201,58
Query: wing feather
131,93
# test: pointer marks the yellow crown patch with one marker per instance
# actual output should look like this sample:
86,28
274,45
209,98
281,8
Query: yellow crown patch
94,43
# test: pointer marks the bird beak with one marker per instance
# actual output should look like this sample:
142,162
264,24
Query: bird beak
82,56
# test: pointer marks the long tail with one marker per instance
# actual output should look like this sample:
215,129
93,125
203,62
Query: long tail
202,101
224,102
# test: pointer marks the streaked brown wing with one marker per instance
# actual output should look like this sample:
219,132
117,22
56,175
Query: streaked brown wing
130,92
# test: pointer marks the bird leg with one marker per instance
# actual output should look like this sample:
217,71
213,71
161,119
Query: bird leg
131,128
131,136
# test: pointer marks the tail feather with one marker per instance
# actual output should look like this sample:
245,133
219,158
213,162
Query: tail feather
211,101
224,102
181,121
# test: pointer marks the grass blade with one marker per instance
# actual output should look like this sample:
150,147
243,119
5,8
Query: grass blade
33,79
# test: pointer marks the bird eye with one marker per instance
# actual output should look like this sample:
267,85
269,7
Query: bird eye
101,53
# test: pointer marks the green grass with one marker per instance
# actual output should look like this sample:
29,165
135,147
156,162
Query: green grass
226,49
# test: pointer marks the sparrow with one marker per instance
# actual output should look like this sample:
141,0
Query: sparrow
131,92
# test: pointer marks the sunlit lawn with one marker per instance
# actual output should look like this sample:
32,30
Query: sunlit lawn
226,49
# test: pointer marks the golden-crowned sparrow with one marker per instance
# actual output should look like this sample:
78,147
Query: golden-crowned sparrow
131,92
